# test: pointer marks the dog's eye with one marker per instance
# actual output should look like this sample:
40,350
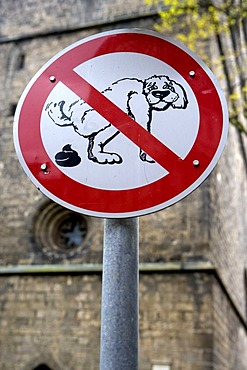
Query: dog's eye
151,86
170,87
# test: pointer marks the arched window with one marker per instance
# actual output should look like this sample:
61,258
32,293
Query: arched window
42,367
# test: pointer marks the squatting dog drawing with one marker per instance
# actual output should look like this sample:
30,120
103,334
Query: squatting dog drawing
138,98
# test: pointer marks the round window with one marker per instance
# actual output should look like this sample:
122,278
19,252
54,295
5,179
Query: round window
59,232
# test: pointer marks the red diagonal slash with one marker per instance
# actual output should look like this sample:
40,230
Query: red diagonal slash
125,124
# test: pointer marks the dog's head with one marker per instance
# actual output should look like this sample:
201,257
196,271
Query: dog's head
161,93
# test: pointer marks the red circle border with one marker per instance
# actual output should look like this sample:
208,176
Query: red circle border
145,197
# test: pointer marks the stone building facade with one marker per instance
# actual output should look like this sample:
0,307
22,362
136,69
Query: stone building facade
193,255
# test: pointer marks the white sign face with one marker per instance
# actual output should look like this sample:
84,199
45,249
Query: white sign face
121,124
121,74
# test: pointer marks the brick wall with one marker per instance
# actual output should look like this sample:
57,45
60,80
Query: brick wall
186,320
228,192
58,318
230,341
55,316
34,16
176,321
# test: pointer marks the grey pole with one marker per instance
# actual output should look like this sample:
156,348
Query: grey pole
120,303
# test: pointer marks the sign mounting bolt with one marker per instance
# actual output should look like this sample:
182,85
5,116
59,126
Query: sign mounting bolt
196,163
52,79
192,73
43,167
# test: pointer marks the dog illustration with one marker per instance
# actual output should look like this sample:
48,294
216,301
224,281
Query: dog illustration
136,97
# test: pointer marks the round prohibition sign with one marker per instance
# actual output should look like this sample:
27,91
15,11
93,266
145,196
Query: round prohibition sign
183,175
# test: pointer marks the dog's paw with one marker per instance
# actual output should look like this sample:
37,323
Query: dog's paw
106,158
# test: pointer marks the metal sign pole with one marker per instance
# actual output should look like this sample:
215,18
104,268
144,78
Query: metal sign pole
120,303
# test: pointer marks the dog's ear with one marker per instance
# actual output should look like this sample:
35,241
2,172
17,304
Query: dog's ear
182,101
